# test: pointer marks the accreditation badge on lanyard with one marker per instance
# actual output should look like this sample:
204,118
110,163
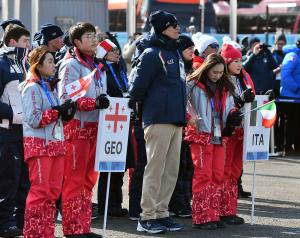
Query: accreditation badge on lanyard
58,127
181,67
58,130
216,125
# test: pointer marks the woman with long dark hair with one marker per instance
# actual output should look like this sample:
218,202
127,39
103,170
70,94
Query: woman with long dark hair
212,117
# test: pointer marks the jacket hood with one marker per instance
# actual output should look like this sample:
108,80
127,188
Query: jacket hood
291,48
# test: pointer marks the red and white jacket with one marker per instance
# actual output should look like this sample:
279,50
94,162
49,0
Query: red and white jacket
202,106
39,121
85,122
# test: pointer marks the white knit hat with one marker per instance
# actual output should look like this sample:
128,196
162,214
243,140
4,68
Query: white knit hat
104,47
227,40
202,41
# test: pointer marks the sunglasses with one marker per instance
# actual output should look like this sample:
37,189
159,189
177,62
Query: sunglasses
174,25
214,46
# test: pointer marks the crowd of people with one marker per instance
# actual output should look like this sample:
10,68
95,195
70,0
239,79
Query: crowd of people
184,154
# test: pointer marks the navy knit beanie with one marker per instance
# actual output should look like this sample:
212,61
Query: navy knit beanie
161,20
184,42
5,23
50,32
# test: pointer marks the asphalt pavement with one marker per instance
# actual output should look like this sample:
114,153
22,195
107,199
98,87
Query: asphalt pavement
277,207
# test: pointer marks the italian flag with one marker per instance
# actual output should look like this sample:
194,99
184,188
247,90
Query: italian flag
268,112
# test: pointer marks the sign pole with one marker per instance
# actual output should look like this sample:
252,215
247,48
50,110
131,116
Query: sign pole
106,204
253,192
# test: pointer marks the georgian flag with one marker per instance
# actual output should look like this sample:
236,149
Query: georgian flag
78,88
104,47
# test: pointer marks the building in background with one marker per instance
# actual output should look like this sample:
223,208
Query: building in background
63,13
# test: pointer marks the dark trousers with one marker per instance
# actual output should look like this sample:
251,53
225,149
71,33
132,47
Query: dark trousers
14,184
115,191
136,182
292,112
279,127
181,198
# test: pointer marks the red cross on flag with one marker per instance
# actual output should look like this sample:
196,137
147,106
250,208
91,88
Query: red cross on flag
78,88
112,136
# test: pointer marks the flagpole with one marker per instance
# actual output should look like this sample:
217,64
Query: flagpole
106,204
256,108
253,192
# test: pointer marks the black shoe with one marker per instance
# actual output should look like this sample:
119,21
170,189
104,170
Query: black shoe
77,236
184,213
220,224
10,231
243,194
233,220
206,226
93,235
115,212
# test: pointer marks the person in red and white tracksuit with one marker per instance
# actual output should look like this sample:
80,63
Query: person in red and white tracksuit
244,93
44,148
81,132
212,115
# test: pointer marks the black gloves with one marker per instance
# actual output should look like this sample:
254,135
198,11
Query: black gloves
227,131
271,94
238,102
234,118
67,110
102,102
131,103
248,95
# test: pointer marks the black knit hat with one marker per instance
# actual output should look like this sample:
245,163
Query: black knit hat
5,23
184,42
280,37
50,32
161,20
253,40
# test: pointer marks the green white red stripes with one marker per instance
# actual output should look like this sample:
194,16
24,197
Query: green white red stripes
268,113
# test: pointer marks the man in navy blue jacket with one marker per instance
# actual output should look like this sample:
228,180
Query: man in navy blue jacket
158,81
260,63
14,181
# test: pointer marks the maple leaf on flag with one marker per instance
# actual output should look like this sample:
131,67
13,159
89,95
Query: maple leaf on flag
78,88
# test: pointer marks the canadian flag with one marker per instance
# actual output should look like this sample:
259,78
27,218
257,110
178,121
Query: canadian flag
78,88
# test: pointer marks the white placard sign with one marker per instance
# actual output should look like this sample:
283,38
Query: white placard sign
112,137
256,136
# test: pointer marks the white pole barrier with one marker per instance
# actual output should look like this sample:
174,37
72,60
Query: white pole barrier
272,143
253,193
106,204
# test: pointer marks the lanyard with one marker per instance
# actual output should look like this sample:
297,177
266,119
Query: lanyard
101,74
116,79
93,65
213,105
181,67
238,85
44,86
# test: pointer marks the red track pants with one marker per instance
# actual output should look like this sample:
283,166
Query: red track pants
79,180
233,170
46,177
208,163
